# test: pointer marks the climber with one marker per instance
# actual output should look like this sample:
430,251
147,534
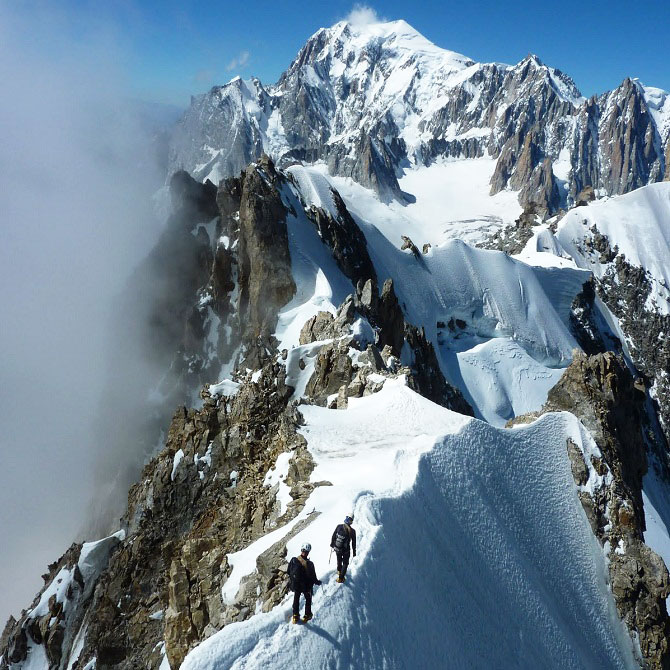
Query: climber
302,576
343,537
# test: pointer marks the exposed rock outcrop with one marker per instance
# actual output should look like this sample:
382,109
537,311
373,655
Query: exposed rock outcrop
626,290
346,365
202,497
513,239
264,263
345,239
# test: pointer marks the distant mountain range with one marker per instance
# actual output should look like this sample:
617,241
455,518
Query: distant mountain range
376,100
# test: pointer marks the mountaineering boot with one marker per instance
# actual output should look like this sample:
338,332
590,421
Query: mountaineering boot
295,618
306,618
340,578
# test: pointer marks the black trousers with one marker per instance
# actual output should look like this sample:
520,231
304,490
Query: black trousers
342,562
308,601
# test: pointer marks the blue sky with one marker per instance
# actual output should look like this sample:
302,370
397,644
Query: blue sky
167,50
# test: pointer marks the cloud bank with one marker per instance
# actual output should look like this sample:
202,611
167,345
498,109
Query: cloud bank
76,178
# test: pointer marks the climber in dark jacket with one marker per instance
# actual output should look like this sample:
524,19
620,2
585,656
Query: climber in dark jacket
302,577
343,539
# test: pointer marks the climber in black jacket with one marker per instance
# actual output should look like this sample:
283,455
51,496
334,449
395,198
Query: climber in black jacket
343,538
302,577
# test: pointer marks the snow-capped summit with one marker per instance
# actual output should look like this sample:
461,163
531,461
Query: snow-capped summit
392,41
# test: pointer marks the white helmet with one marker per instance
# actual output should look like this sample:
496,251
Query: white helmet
306,546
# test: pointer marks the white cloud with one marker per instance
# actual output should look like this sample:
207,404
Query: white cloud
240,62
76,178
362,15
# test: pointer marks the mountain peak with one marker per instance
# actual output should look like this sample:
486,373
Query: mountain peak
564,86
534,59
397,36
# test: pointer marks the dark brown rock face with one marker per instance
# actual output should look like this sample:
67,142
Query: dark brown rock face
373,162
541,189
265,278
625,289
616,148
334,369
629,153
345,239
599,390
320,327
585,196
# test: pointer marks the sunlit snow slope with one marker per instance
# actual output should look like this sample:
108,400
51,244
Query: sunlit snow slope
474,550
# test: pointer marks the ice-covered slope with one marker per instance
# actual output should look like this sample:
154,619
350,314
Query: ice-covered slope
455,564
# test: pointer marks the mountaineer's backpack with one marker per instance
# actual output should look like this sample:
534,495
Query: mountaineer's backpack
342,538
295,573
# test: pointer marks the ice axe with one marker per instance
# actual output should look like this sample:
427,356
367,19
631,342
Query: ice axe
330,555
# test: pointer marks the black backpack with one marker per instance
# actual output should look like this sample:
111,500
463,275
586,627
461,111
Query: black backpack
294,574
342,539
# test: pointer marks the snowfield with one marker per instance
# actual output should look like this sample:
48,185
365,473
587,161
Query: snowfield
473,550
449,200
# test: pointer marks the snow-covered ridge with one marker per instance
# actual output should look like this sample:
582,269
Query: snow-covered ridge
346,41
476,503
564,86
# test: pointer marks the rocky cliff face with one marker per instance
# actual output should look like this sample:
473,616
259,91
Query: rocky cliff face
374,101
629,142
202,497
625,289
207,295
